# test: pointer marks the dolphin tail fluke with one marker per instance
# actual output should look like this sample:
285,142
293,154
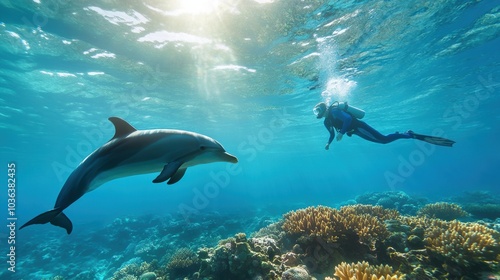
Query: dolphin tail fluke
63,221
55,217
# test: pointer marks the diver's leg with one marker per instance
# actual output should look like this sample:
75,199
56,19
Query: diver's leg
367,132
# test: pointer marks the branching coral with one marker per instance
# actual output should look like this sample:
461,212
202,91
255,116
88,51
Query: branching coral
463,243
377,211
443,210
318,221
362,270
331,224
457,245
368,228
367,221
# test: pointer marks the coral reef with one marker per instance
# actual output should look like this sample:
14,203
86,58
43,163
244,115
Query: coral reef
238,258
459,249
296,273
483,211
495,225
400,201
107,248
368,228
480,204
362,270
480,197
442,210
378,211
148,276
141,271
183,262
313,222
331,224
305,244
352,231
465,244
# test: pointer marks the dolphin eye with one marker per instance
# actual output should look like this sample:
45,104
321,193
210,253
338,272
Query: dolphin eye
202,148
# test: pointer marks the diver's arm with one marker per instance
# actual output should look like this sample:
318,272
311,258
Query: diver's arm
332,135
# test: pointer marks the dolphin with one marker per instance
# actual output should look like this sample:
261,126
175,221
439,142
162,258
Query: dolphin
132,152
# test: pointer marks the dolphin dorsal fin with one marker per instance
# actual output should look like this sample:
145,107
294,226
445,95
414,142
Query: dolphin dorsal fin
122,128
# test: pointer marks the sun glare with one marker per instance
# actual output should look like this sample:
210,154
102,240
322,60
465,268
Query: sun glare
199,6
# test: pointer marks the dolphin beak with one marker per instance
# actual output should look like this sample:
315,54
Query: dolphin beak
230,158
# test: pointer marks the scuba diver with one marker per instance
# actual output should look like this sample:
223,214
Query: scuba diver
345,119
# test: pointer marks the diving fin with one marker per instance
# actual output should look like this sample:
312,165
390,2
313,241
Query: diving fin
433,139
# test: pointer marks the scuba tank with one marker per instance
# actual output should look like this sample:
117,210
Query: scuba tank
355,112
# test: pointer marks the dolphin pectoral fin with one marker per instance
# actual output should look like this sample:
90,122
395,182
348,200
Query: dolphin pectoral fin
168,171
177,176
55,217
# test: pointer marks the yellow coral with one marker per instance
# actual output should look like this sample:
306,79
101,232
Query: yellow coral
443,210
330,224
314,221
367,221
362,271
463,242
377,211
368,228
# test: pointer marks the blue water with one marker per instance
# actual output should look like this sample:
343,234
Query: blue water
248,74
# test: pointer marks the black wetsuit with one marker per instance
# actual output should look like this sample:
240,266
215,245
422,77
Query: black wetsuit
342,121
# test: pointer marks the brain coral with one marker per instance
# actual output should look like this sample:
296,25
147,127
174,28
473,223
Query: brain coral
362,270
443,210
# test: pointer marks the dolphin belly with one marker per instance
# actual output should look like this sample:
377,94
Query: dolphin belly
132,169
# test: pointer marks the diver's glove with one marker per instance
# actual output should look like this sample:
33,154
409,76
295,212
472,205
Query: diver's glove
339,136
327,146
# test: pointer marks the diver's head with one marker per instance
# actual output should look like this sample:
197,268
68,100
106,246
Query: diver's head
320,110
